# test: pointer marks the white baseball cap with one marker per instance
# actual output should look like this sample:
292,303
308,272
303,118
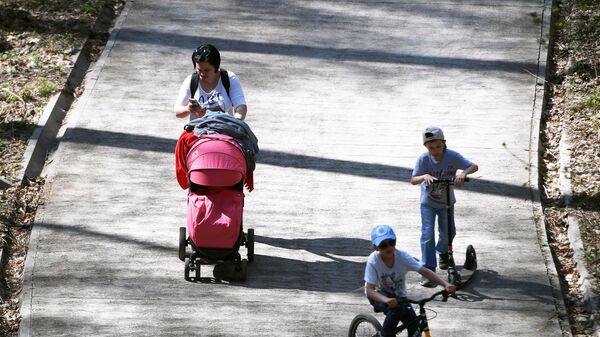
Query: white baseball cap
432,133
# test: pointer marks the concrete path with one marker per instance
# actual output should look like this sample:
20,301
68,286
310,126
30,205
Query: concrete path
338,93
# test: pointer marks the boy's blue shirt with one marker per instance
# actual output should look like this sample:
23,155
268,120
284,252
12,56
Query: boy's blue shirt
435,195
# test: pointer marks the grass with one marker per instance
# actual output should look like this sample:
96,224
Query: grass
9,55
37,59
46,88
27,95
589,102
592,256
89,8
8,95
594,99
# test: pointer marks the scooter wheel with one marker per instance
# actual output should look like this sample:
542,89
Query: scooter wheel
454,278
471,259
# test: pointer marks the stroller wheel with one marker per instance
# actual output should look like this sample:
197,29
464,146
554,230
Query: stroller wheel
186,274
250,245
182,243
197,269
243,272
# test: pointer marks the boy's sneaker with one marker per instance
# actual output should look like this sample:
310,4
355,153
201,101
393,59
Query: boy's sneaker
425,282
444,261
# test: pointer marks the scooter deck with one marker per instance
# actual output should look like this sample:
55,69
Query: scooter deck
465,275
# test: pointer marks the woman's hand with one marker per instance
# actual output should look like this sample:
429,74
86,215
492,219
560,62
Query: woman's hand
240,112
194,107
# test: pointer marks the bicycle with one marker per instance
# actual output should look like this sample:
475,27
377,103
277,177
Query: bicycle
365,325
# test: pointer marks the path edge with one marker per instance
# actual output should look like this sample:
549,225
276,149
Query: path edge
546,40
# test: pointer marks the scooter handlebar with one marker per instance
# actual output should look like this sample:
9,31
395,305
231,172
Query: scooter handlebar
449,181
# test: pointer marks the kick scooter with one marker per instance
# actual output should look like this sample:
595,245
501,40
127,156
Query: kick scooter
457,275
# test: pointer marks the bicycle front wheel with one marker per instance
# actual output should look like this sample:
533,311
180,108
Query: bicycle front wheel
364,325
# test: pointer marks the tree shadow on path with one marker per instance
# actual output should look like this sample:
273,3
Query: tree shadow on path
342,54
93,137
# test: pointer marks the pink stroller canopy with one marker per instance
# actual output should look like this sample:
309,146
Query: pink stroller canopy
216,160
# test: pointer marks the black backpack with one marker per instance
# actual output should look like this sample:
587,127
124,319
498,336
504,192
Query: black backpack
196,79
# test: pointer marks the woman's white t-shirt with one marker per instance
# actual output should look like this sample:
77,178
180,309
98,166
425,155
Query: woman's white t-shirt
390,279
217,99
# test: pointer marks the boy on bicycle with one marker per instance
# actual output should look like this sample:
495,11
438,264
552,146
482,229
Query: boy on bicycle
438,162
384,280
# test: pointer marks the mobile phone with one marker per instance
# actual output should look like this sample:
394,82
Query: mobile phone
194,101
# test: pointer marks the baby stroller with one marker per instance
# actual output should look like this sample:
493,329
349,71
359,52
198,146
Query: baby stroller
216,172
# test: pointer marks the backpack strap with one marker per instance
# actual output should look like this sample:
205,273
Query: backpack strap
196,79
194,83
225,81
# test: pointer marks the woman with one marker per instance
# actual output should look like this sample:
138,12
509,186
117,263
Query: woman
214,89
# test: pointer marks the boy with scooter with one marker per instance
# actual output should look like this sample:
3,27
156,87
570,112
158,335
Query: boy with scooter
438,162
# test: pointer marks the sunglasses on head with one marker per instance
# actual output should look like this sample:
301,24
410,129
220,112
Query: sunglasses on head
202,52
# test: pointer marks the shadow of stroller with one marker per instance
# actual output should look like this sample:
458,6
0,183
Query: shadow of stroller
325,247
332,274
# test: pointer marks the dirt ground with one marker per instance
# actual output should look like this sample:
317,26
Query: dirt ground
574,109
39,38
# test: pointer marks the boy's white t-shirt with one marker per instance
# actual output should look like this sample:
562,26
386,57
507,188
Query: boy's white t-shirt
217,99
390,279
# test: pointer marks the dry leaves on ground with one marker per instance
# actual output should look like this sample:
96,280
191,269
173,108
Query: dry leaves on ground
575,107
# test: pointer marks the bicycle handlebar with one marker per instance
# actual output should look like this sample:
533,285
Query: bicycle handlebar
421,302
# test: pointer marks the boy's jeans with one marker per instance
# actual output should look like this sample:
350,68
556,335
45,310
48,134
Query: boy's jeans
428,246
402,312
